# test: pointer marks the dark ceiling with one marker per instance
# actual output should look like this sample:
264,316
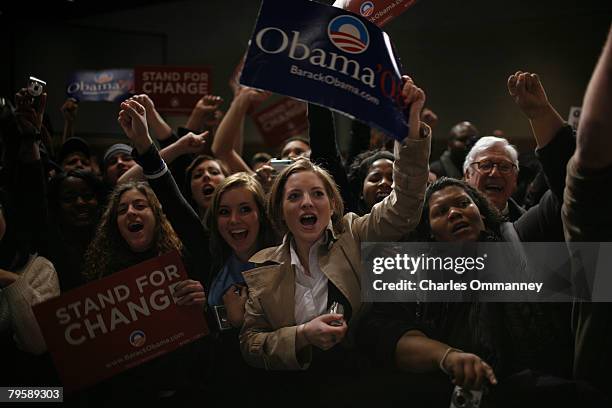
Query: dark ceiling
64,10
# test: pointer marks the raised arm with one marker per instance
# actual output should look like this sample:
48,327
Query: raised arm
69,110
27,180
400,212
528,93
554,138
232,128
555,145
586,218
183,218
586,203
325,151
595,128
188,144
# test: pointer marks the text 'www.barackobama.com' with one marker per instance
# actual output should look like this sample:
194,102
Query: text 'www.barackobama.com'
144,350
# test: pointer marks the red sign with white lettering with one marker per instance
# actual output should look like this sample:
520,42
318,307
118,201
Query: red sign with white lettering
380,12
108,326
173,89
285,118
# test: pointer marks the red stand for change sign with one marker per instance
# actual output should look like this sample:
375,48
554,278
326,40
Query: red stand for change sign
119,322
174,90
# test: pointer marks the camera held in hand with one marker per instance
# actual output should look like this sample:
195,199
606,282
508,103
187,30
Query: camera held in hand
36,87
279,164
463,398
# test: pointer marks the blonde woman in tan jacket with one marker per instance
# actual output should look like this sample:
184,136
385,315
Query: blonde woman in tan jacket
319,261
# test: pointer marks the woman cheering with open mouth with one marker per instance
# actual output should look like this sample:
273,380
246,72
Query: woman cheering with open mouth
318,263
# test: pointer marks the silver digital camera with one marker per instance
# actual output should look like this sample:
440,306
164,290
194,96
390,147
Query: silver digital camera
279,164
36,87
462,398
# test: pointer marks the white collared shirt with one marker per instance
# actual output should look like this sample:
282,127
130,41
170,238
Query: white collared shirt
310,291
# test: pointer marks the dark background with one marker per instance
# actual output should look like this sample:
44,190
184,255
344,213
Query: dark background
460,52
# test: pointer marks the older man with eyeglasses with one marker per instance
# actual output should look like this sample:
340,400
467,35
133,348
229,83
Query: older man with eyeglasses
492,167
492,164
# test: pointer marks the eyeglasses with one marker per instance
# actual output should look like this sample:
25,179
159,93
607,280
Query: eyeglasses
486,166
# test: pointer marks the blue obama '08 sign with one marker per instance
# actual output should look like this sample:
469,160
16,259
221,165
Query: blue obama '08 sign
330,57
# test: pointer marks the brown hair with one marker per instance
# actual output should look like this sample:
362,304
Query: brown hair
189,173
109,253
218,246
275,199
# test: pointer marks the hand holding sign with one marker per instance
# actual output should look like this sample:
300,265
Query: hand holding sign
189,292
107,326
329,57
414,98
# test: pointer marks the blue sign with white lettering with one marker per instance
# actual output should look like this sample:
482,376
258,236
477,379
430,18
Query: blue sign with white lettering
112,85
328,56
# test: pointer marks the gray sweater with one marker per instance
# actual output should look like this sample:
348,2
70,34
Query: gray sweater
37,282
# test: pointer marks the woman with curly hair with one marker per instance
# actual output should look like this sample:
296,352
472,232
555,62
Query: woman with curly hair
134,229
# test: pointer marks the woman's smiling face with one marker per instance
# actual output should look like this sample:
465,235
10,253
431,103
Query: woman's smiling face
135,220
238,221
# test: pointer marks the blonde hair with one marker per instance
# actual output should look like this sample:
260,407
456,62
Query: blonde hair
275,199
109,253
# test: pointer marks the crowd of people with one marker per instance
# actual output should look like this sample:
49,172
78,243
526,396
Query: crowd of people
275,250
